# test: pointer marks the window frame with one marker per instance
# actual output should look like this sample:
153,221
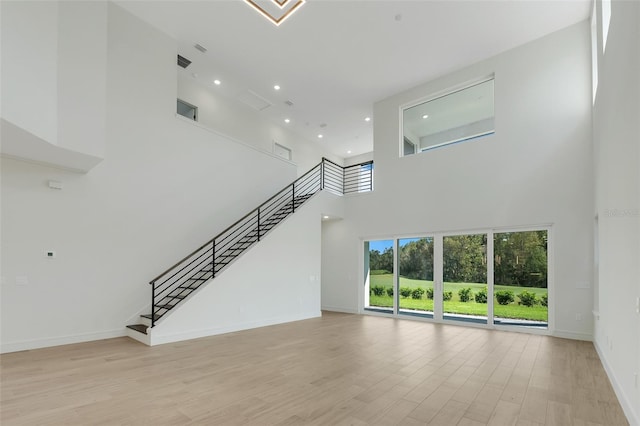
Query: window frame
437,95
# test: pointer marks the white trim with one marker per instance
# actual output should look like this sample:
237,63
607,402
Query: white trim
231,139
206,332
26,345
632,417
572,335
337,309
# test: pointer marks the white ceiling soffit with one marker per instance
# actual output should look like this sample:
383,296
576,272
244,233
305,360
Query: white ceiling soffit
334,58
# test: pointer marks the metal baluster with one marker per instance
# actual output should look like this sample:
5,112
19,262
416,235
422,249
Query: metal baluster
153,303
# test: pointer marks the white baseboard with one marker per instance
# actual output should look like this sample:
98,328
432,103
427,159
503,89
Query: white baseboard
157,339
572,335
26,345
336,309
627,407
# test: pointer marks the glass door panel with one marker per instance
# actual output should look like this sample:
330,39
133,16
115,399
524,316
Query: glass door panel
464,276
415,276
379,288
520,277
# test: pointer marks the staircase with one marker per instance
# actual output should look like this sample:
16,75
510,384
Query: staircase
180,281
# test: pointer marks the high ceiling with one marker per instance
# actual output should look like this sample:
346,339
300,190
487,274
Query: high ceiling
333,59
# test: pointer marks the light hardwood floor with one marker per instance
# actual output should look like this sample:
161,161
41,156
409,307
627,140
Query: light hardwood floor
336,370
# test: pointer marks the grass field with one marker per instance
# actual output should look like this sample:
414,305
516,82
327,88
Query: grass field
512,310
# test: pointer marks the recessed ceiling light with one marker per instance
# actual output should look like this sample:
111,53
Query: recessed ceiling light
348,152
217,82
286,120
325,217
367,119
425,116
276,87
320,136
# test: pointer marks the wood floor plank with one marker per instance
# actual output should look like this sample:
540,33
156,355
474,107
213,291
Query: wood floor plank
339,369
505,414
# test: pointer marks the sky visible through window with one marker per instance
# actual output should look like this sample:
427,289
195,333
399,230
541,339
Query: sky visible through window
380,245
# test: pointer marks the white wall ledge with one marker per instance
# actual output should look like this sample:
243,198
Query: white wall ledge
19,144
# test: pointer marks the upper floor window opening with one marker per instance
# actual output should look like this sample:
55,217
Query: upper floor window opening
458,116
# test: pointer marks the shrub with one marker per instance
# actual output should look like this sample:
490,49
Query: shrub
447,295
527,298
379,272
430,293
465,294
389,291
504,297
481,296
544,299
405,291
377,290
417,293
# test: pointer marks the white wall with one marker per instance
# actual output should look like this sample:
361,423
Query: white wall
30,66
617,182
357,159
164,188
218,112
276,281
82,76
535,170
54,77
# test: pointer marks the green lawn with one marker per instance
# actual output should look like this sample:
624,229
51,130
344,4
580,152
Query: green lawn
512,310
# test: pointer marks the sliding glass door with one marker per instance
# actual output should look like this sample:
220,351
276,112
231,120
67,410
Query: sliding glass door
464,278
493,277
520,277
379,272
415,276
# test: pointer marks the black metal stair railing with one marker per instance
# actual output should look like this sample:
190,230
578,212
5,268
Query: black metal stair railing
206,262
347,180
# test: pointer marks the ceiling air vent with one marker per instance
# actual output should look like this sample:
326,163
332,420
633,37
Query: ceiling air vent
183,62
200,48
287,102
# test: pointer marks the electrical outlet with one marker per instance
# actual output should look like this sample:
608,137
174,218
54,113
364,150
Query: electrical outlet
578,317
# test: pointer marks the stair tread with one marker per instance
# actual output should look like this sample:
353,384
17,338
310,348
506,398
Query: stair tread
140,328
157,317
179,297
167,307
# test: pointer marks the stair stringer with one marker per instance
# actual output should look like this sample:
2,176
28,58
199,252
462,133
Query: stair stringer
276,281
